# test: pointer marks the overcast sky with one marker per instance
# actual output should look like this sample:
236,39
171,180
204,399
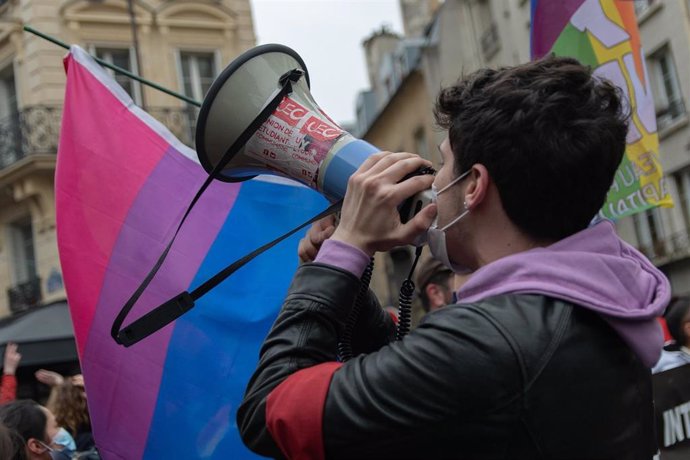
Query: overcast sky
328,34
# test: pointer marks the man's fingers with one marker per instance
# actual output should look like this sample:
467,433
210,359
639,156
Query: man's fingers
417,225
395,166
410,187
326,222
371,161
306,248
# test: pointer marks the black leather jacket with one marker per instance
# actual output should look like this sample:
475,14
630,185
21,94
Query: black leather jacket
512,377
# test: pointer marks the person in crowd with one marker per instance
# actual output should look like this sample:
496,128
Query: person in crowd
8,386
547,353
72,413
677,353
36,427
11,445
434,282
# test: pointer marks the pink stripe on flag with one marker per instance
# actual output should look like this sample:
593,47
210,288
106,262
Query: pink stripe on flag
88,231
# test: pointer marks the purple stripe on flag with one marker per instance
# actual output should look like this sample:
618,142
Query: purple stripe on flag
549,18
124,387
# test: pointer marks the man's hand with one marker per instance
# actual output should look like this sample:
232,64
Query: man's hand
12,358
369,217
319,232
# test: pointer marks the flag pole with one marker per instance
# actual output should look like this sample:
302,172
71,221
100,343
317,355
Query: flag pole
117,69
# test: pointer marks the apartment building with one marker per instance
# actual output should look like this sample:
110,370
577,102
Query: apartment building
181,45
464,35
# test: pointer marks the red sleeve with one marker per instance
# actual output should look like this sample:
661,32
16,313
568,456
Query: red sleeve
664,327
8,389
294,411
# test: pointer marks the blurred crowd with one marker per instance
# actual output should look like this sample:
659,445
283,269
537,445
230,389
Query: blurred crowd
60,428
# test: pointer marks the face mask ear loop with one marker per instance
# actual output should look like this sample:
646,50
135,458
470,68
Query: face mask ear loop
454,181
454,221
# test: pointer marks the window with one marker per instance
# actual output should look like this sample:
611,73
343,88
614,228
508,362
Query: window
8,93
489,38
682,180
125,59
25,291
667,96
10,134
197,72
650,233
23,257
643,5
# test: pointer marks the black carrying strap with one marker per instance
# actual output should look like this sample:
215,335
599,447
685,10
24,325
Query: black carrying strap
183,302
166,313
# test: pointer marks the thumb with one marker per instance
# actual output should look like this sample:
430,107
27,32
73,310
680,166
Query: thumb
420,222
427,215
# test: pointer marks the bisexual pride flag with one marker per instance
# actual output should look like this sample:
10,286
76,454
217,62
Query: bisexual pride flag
122,184
604,35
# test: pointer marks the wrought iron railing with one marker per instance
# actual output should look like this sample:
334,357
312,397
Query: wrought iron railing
669,114
36,129
31,130
25,295
672,248
490,41
181,121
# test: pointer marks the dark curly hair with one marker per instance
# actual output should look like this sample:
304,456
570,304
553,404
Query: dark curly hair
550,134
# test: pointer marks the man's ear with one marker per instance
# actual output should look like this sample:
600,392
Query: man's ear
477,185
434,292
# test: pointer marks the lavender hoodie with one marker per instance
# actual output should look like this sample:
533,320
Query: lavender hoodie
593,269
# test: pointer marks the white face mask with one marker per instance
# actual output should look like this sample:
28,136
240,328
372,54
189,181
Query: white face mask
436,237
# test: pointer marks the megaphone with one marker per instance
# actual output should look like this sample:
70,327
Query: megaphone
257,118
297,140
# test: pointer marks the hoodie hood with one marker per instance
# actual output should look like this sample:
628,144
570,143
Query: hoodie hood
593,269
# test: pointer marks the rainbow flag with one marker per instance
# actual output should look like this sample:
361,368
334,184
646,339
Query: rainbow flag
122,183
604,35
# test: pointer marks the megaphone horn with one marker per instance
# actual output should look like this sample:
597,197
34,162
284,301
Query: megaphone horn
298,140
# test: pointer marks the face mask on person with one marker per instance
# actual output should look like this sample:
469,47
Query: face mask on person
436,237
58,454
63,438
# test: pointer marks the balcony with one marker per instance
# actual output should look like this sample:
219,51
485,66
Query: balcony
671,249
490,41
24,296
29,131
36,129
181,121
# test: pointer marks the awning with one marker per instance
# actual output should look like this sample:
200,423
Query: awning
44,335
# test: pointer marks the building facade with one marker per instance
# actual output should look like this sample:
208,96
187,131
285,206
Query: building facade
464,35
663,234
181,45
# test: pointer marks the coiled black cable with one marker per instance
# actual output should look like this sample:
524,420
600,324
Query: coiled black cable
345,343
405,301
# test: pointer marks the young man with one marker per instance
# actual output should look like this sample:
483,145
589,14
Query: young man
547,353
